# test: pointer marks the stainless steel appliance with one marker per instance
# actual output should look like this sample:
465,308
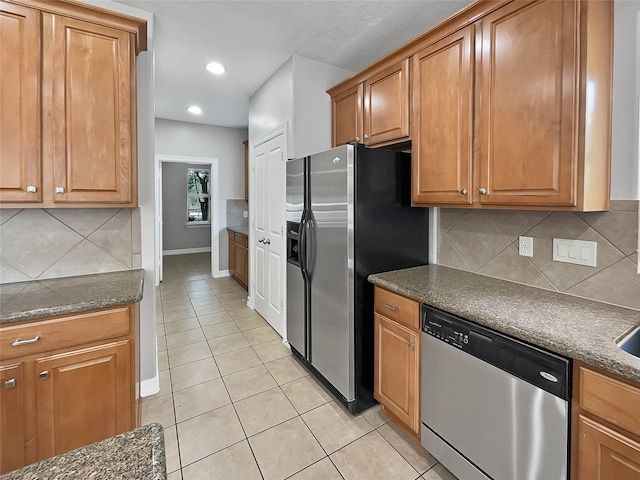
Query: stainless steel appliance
348,215
493,407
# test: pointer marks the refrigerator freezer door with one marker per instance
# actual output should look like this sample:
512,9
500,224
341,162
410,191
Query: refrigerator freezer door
296,330
330,241
295,190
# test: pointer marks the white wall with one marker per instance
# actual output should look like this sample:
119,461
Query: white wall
625,166
296,95
175,233
223,143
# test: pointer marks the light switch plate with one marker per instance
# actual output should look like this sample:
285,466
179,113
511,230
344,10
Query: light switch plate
579,252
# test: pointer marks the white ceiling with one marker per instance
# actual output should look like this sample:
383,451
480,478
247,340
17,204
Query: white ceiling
252,39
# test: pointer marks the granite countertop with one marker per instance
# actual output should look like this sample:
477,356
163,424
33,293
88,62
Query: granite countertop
242,230
575,327
138,454
57,296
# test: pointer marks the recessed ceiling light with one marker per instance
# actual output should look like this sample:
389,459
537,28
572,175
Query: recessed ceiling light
194,109
215,68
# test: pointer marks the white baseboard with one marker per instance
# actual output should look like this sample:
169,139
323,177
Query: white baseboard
223,273
186,251
150,386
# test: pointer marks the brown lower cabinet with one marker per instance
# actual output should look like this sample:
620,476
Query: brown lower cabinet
397,343
606,431
66,382
239,257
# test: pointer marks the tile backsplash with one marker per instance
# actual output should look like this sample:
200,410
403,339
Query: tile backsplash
235,213
486,242
49,243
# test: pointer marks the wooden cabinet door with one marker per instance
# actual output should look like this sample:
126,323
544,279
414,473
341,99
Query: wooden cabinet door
232,253
528,104
346,110
13,412
20,154
442,120
604,454
242,270
92,75
386,105
396,382
82,396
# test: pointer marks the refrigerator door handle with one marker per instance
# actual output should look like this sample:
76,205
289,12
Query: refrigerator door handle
303,245
310,248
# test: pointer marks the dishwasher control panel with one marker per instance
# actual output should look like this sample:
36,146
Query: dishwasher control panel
444,329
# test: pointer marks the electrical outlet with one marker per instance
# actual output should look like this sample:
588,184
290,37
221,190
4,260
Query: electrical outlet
525,246
245,213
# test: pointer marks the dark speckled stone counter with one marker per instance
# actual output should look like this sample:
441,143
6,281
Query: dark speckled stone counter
58,296
138,454
577,328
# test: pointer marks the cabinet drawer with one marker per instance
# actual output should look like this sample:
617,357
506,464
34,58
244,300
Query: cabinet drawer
63,332
242,240
398,308
610,399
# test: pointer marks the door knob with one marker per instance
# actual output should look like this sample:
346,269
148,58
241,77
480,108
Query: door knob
463,191
44,375
10,383
31,189
412,346
59,190
366,136
483,191
261,240
267,242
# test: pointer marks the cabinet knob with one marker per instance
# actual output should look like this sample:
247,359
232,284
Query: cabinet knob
366,136
31,189
10,383
412,346
44,375
357,139
59,190
463,191
483,191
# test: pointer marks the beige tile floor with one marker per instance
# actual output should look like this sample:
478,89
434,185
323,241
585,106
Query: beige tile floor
235,404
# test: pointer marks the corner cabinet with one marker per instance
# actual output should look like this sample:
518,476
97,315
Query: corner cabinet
374,112
66,382
397,343
239,257
77,75
606,426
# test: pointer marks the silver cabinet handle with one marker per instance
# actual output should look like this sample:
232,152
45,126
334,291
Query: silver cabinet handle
44,375
10,383
357,139
31,189
19,342
391,307
483,191
463,191
59,190
366,136
412,346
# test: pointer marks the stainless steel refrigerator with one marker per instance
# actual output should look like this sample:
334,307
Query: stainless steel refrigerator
348,216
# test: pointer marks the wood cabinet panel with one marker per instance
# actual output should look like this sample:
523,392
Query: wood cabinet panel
53,334
396,372
83,396
398,308
386,105
528,104
241,268
605,454
346,109
232,252
13,416
443,92
20,153
91,132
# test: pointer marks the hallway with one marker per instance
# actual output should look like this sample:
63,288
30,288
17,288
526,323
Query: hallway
235,404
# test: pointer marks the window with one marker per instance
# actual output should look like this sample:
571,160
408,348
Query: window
197,196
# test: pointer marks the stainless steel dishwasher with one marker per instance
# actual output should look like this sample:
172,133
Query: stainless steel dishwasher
493,407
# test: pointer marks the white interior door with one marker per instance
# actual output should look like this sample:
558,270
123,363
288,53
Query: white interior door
269,239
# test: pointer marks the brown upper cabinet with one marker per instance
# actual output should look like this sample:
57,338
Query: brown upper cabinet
376,110
69,130
510,106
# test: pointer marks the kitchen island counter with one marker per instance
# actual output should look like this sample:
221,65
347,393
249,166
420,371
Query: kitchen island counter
59,296
575,327
138,454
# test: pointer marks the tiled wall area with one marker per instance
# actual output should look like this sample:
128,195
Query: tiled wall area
235,210
49,243
486,242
